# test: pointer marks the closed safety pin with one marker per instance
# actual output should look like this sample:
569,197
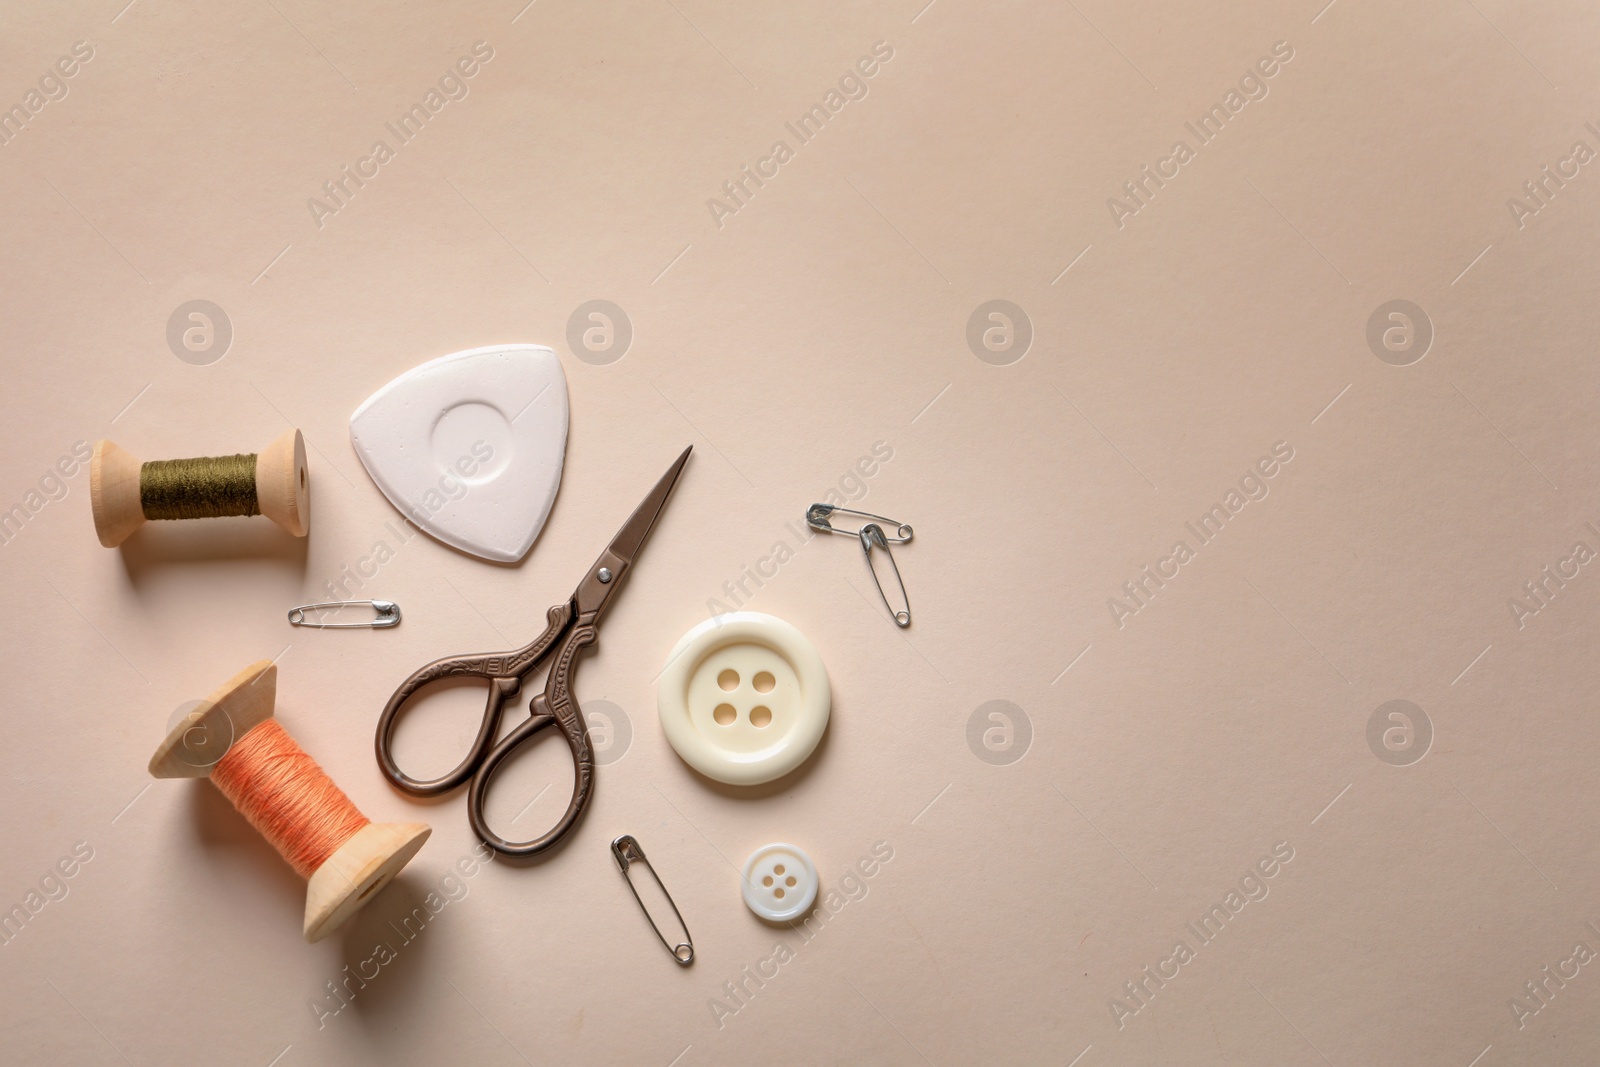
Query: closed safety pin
817,519
388,614
627,852
872,536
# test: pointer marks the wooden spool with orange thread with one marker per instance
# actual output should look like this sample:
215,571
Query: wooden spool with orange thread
232,738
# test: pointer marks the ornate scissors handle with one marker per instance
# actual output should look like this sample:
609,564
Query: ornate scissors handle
572,629
504,672
554,705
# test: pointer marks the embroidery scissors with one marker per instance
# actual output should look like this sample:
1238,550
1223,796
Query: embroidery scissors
573,625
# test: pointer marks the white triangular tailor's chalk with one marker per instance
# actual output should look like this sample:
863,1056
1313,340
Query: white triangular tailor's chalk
469,446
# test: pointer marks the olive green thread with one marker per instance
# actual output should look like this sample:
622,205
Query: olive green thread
207,487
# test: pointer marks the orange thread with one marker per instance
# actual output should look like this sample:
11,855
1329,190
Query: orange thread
287,797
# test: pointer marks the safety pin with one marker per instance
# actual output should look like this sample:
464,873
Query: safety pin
388,615
817,519
627,851
872,536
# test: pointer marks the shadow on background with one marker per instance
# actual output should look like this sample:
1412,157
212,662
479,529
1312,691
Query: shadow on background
384,950
220,827
158,544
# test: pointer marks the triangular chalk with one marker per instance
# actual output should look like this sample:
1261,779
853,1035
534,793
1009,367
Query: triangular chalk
469,446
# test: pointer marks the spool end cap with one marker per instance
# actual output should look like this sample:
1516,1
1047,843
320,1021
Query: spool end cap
357,872
204,733
114,493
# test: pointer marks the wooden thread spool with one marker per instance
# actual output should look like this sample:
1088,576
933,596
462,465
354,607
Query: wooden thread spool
345,858
125,492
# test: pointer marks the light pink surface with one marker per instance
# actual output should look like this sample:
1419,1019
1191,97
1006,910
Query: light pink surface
1171,750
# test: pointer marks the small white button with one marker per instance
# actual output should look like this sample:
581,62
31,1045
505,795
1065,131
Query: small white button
780,882
744,698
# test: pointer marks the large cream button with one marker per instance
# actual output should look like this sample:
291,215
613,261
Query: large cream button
744,698
780,882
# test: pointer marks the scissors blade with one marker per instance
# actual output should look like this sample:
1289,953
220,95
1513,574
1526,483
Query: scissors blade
620,553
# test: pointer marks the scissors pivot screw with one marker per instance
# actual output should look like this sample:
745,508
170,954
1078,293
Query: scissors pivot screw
604,575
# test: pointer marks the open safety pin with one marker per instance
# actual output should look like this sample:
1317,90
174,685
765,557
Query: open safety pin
388,614
627,852
817,519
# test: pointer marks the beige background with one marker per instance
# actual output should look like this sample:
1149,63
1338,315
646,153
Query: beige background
1162,759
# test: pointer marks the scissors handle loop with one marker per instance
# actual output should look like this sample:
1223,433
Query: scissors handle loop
554,706
504,672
